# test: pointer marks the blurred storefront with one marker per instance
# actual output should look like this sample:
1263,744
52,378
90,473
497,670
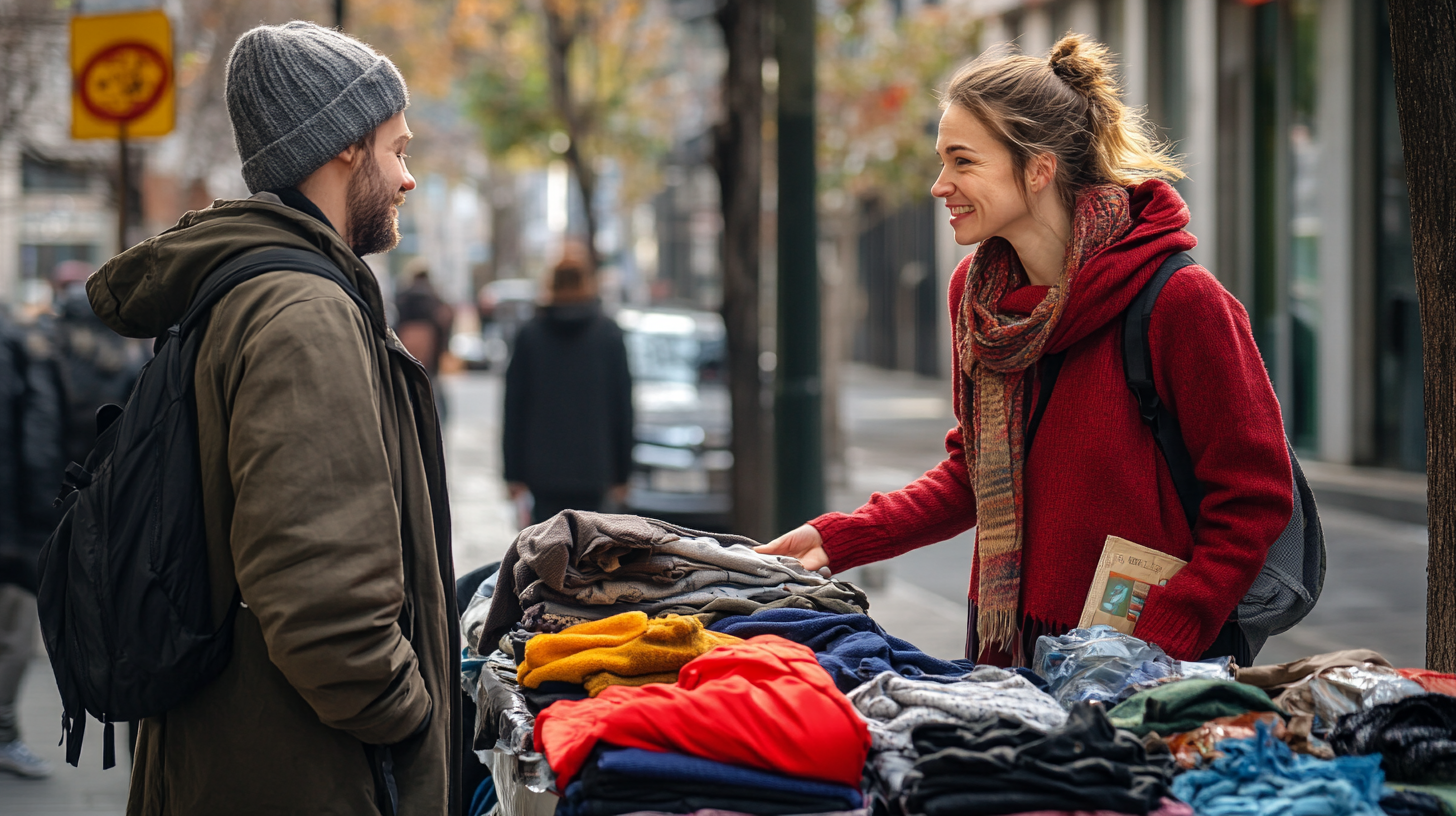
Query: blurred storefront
1285,113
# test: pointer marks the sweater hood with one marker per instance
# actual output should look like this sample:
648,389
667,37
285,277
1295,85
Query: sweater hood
146,289
1109,280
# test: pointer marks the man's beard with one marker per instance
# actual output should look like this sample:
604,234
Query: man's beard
373,226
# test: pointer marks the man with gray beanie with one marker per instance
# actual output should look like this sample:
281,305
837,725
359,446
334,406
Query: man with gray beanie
324,486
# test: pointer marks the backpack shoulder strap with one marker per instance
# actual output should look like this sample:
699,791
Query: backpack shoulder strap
250,265
1137,361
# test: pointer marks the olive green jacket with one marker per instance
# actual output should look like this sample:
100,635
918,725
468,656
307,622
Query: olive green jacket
326,510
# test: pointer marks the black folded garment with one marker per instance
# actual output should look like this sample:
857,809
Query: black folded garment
598,792
1416,737
550,692
999,765
1411,803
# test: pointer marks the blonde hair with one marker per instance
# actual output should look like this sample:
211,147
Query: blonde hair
1067,105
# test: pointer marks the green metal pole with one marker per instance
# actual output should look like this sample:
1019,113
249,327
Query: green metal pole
798,418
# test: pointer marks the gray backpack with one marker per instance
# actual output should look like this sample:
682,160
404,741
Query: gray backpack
1288,586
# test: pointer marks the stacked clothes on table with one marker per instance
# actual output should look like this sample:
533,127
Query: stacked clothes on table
895,705
762,704
1002,765
1316,691
626,666
851,647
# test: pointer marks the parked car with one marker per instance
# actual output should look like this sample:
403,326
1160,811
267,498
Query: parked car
682,461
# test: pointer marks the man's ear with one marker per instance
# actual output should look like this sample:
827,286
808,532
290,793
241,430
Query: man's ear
349,155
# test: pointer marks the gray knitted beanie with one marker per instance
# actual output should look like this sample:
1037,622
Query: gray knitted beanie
299,94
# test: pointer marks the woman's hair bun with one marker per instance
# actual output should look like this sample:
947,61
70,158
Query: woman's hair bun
1082,63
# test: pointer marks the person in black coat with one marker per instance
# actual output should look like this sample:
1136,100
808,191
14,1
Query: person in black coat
567,430
31,461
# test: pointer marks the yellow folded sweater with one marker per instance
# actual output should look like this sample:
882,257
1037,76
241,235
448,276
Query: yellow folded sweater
627,645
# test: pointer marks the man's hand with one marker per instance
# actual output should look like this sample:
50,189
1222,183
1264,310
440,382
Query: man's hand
517,490
802,542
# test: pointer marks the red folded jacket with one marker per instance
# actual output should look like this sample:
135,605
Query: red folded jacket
763,703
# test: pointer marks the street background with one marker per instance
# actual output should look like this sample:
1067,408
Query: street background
1283,111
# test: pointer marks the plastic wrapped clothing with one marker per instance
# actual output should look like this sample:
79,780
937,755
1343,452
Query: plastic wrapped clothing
1347,689
1416,736
999,765
1262,777
895,705
594,561
1186,704
852,648
1288,685
1101,664
626,645
763,703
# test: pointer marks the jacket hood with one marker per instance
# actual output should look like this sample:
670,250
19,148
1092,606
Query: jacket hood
569,318
146,289
1109,280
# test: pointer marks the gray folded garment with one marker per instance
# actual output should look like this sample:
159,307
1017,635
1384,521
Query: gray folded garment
893,706
577,555
835,596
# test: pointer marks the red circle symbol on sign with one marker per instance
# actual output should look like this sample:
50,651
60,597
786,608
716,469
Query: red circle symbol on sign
124,81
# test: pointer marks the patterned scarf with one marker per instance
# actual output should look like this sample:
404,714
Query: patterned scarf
995,351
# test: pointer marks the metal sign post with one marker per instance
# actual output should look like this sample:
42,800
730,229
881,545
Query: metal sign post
121,68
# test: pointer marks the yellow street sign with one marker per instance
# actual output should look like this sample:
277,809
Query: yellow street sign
121,71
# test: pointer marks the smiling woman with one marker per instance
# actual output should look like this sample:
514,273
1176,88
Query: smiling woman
1065,195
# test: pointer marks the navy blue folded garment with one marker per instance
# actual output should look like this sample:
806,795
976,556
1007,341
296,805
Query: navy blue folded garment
852,648
635,762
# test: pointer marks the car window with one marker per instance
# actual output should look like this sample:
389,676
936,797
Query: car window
657,357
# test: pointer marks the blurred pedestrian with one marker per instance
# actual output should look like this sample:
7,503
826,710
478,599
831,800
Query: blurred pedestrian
98,366
423,323
323,487
1064,192
31,461
567,430
424,320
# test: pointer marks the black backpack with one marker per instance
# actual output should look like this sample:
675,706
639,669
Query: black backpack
1288,586
124,598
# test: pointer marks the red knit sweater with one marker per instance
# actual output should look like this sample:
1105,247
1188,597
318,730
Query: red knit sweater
1094,469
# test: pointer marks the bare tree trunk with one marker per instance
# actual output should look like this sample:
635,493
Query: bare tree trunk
738,159
1423,42
561,34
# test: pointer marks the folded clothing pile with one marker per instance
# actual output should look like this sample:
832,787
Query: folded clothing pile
1415,737
1000,765
895,705
579,566
628,780
1263,776
624,650
1101,664
852,648
1316,691
763,703
1187,704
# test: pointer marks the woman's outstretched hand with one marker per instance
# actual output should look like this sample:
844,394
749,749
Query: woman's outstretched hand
802,542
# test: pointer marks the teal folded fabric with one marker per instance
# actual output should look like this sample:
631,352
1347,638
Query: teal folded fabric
1184,705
